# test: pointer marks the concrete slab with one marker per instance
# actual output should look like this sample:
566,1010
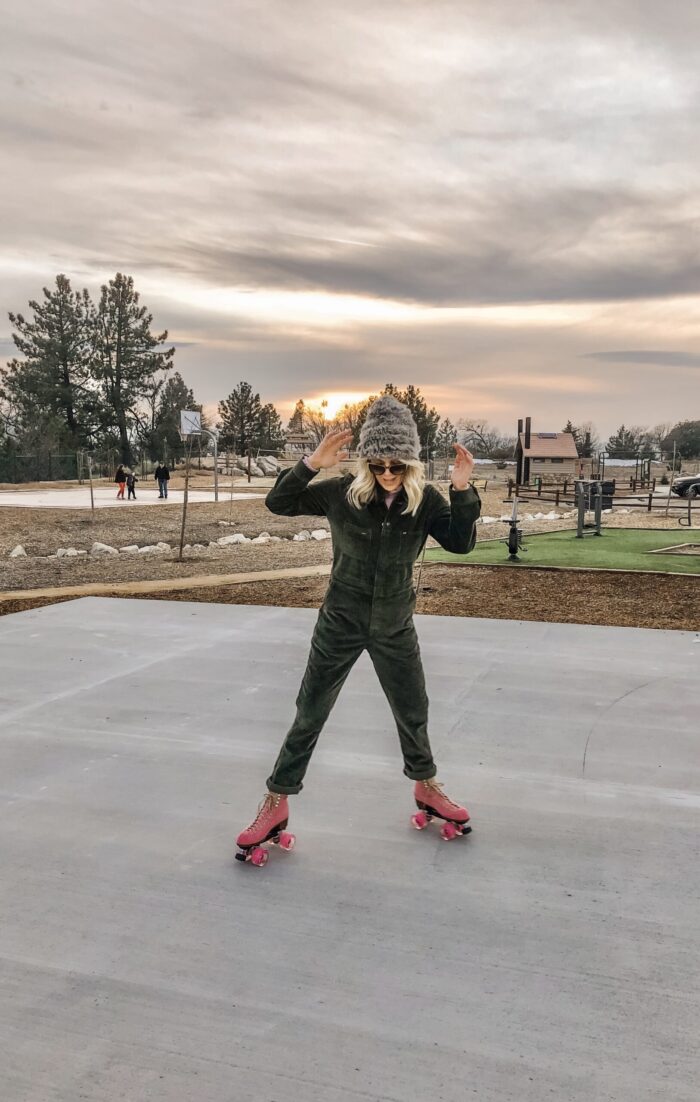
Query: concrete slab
552,954
105,498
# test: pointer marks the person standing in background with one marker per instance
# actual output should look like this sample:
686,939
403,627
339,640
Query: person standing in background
120,479
162,477
131,481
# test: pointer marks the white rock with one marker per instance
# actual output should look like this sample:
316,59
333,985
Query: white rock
489,520
261,539
224,523
275,539
130,549
320,534
552,515
150,549
224,541
161,546
18,552
81,552
103,549
60,553
303,535
199,546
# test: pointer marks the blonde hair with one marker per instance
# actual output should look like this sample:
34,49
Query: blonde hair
364,485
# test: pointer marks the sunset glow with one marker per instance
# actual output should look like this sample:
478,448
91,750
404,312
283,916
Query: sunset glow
336,399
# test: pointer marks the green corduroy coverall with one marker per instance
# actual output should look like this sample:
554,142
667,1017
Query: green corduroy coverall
369,606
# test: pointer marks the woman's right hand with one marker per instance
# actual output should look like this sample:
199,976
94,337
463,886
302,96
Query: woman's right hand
331,449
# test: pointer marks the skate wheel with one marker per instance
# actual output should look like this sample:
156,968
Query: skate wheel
420,820
449,831
287,841
259,857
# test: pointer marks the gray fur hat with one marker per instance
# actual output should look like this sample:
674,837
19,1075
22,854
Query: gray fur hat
389,430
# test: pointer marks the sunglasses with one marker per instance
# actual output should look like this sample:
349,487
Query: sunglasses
393,468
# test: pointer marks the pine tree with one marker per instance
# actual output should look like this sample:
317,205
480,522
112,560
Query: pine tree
629,444
296,421
165,441
446,439
271,431
686,435
127,357
241,419
52,392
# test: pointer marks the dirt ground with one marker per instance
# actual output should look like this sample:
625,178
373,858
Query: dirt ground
594,597
501,593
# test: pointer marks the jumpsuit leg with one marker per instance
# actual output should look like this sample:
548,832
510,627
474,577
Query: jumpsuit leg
335,648
396,658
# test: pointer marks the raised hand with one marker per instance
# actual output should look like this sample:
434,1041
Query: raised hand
331,449
463,467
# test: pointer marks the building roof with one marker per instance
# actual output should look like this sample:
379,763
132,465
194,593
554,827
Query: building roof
550,445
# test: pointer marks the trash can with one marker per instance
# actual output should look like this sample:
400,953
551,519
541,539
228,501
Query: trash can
608,491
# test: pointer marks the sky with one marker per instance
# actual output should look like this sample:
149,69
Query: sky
497,202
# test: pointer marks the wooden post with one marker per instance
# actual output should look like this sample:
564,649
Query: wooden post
670,481
249,464
649,505
556,499
92,496
188,450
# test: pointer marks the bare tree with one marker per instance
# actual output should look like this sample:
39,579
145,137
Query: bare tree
484,440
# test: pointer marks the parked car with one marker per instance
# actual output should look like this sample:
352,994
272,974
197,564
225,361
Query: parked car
688,486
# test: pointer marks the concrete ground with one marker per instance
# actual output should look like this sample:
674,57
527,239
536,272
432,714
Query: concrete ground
551,954
106,498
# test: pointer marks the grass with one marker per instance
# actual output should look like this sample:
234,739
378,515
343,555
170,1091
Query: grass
616,549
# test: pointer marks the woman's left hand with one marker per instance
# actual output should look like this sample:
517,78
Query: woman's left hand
463,467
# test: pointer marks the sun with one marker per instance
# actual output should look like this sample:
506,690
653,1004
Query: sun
336,399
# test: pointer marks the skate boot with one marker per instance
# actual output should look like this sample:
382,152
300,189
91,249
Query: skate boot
267,826
432,803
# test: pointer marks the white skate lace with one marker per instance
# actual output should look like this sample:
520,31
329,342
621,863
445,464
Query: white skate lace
270,801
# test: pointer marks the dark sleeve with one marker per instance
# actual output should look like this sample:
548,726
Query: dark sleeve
293,496
453,525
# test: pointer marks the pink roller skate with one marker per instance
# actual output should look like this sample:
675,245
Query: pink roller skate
432,803
268,826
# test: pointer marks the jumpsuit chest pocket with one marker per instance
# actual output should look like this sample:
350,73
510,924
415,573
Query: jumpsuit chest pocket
356,541
408,544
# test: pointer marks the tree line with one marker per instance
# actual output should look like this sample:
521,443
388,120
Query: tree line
94,376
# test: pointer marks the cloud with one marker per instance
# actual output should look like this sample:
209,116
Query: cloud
659,358
373,177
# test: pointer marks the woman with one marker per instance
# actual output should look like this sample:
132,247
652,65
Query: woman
379,521
120,479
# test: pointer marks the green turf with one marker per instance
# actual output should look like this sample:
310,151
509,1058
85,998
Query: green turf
616,549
